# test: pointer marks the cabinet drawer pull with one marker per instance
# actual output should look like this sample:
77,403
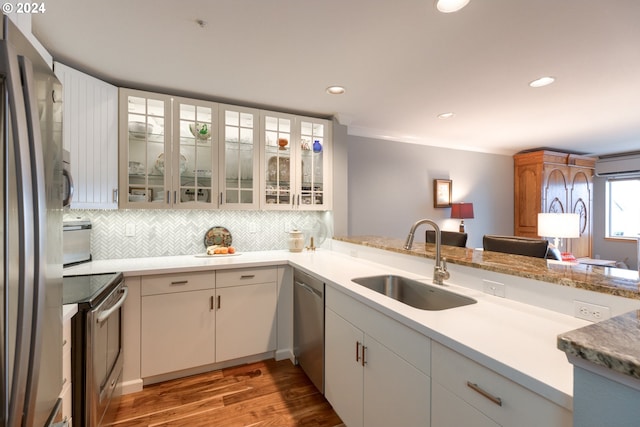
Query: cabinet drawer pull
247,276
179,282
478,389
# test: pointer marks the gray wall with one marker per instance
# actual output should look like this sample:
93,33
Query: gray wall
614,249
391,187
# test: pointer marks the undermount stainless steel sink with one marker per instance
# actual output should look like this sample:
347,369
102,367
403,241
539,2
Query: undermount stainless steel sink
414,293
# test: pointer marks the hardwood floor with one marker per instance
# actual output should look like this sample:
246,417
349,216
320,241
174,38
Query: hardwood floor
266,393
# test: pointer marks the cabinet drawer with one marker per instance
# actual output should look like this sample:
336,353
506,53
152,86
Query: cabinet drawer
497,397
171,283
246,276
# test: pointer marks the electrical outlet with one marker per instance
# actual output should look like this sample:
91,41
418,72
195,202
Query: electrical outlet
591,312
130,230
494,288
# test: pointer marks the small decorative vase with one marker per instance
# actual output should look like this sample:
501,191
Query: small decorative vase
317,147
296,241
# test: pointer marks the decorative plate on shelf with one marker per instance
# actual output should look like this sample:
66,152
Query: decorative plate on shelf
217,236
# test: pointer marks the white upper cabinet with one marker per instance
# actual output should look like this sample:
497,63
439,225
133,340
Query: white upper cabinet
145,150
185,153
295,159
195,154
239,157
90,133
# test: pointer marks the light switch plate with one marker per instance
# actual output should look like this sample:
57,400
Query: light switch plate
494,288
130,230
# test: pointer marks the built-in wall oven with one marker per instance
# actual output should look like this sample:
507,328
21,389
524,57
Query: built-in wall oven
97,356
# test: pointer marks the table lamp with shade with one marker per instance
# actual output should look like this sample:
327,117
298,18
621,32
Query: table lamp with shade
462,211
558,226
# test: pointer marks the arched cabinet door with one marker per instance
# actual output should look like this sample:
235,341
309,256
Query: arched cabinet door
580,202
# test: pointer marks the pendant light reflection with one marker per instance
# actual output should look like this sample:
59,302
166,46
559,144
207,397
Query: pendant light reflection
449,6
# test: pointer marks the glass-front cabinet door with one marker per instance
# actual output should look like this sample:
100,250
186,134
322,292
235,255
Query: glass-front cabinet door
195,154
278,168
239,157
145,140
313,164
296,162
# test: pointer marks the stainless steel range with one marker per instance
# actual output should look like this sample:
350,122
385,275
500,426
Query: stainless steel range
96,334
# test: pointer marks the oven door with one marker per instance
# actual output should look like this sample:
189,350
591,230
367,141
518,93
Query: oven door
104,355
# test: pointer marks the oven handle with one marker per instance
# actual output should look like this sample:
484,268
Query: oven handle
105,314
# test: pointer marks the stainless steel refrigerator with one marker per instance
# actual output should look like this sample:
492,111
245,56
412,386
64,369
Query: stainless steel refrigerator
30,190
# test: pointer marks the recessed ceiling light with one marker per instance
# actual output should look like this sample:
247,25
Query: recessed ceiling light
446,115
448,6
542,81
336,90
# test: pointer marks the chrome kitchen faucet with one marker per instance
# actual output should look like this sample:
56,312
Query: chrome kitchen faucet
440,272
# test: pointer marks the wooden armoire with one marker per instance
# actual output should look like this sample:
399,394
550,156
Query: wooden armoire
550,181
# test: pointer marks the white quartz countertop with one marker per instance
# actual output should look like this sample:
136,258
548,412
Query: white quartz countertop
514,339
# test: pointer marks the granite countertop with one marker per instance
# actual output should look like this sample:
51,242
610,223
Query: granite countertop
613,343
609,280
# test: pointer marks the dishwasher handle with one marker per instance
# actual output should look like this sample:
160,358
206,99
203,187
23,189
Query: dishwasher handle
308,288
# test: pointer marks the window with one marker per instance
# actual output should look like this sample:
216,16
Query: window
623,208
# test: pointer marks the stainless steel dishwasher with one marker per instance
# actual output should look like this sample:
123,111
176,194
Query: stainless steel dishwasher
308,328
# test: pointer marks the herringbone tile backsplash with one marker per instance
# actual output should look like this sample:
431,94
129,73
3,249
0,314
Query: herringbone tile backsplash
181,232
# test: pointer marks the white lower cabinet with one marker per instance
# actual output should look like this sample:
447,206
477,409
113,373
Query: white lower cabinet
376,369
195,319
178,322
463,390
246,312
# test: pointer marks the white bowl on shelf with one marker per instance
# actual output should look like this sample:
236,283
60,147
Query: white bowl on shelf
140,129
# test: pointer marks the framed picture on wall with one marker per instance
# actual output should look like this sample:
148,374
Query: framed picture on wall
442,193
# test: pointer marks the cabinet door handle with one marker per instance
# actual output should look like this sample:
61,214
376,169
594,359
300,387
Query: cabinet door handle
211,303
168,196
357,351
219,298
221,197
364,358
115,195
175,197
179,282
478,389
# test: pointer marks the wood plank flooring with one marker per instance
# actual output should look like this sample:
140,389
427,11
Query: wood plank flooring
266,393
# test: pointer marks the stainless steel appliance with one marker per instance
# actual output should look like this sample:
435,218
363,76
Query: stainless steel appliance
31,193
96,345
76,241
308,329
67,180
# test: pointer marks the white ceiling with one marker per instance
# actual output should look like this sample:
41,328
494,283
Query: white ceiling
401,61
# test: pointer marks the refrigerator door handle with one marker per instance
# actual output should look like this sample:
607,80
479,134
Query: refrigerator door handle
19,376
40,226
